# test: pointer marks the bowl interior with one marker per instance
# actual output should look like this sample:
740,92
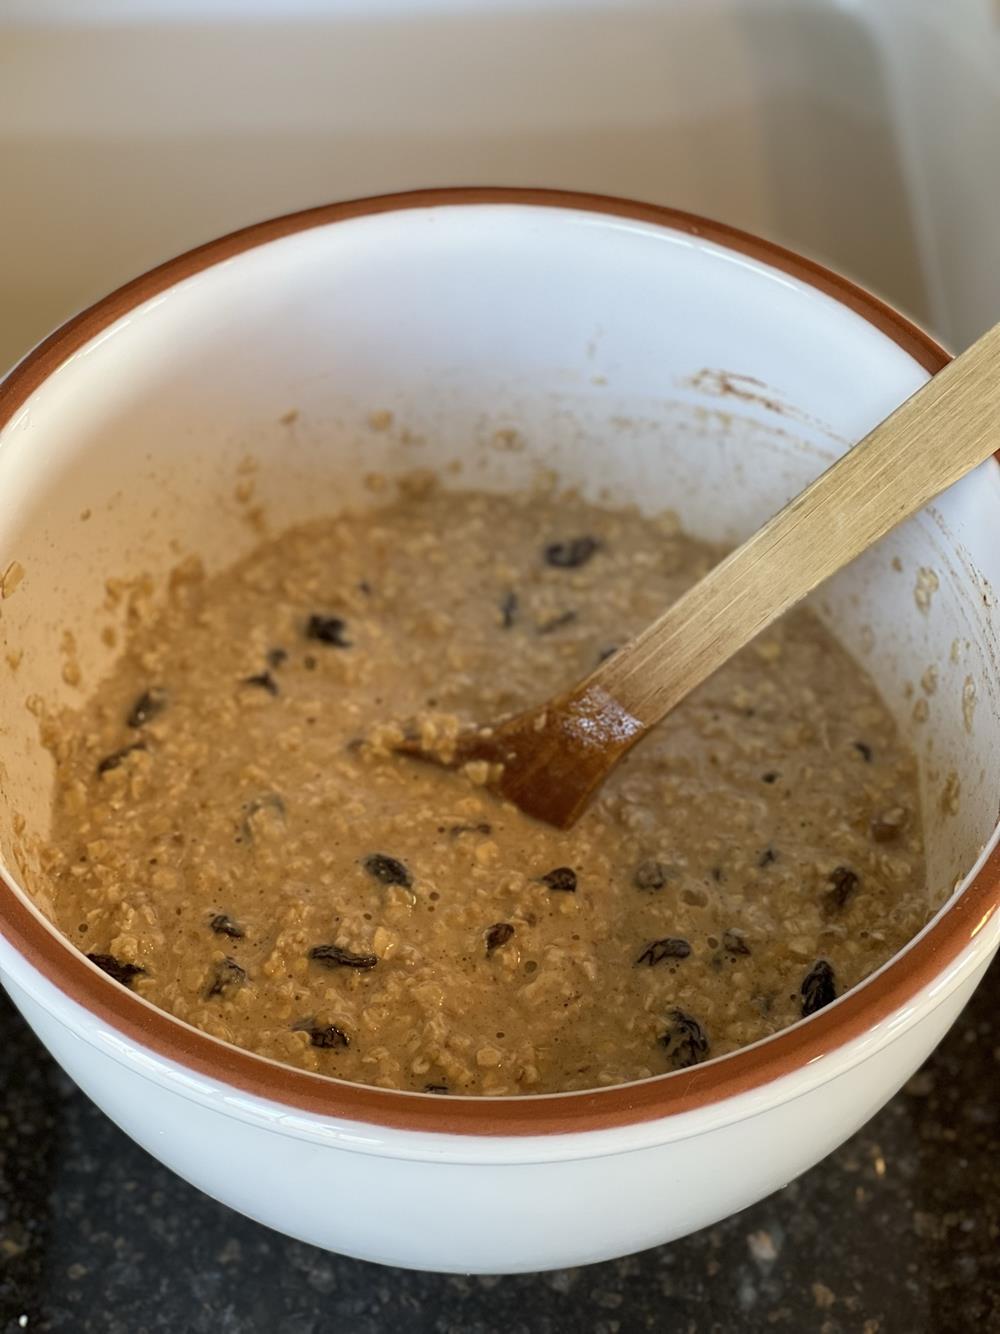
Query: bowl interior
638,362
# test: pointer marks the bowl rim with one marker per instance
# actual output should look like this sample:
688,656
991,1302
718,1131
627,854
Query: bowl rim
750,1068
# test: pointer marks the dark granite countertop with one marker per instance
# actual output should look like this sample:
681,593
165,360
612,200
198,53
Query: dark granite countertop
898,1230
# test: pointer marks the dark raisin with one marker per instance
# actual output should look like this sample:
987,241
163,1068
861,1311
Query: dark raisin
332,956
121,972
606,653
671,947
650,875
113,760
771,776
887,826
767,857
717,874
388,870
819,987
276,657
365,587
330,1036
508,610
225,926
562,879
328,630
556,622
568,555
227,976
436,1088
309,662
864,750
498,935
482,828
685,1040
147,706
264,680
844,882
734,942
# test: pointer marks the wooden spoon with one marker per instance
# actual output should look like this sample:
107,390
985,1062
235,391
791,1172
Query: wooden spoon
555,756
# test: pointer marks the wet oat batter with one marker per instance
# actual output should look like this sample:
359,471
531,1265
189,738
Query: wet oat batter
235,840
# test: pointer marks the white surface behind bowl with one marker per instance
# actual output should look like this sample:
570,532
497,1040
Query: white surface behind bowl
864,135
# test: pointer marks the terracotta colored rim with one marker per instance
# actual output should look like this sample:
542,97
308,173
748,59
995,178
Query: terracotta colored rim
667,1095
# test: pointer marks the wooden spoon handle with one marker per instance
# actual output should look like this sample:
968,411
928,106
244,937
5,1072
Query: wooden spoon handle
948,427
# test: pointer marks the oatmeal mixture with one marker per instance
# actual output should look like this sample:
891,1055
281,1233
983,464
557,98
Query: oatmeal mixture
235,840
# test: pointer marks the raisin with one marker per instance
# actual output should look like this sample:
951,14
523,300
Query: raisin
121,972
864,750
571,554
819,988
276,657
436,1088
888,825
508,610
328,630
650,875
147,706
671,947
332,956
387,870
556,623
767,857
228,975
844,882
330,1036
309,662
482,828
685,1040
225,926
562,879
734,942
263,679
498,935
771,776
113,760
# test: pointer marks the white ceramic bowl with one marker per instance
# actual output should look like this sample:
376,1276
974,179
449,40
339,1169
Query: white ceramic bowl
645,355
